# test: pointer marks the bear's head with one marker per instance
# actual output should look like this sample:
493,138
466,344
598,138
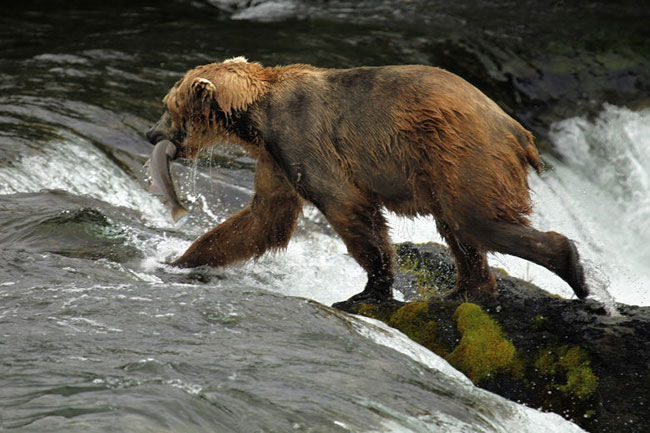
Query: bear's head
200,106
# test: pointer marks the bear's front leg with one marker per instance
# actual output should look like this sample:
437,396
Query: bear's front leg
266,223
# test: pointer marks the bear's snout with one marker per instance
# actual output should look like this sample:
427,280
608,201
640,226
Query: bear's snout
154,135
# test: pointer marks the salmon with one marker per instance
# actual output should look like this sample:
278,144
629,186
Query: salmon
161,179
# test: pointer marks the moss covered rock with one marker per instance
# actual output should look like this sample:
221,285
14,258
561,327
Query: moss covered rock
565,356
483,350
570,370
416,321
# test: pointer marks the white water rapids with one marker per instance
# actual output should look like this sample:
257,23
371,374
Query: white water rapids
598,194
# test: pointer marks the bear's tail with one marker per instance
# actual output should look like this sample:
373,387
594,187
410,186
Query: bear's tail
527,142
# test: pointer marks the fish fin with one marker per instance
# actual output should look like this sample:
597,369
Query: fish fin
147,163
178,212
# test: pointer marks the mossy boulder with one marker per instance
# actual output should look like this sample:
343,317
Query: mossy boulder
483,350
418,323
572,366
424,271
565,356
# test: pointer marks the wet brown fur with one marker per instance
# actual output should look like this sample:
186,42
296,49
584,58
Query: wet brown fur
416,140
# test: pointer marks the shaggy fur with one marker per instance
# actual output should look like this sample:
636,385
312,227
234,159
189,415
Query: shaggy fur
416,140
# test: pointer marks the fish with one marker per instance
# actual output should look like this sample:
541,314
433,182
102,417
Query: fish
161,179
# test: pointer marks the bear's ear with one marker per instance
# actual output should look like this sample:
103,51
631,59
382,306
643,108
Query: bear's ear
202,89
201,94
238,88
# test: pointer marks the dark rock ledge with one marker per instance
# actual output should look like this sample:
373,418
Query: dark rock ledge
560,355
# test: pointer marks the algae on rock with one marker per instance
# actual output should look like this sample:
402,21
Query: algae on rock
483,349
562,355
571,365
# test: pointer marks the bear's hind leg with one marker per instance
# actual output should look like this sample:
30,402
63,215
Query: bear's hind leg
550,249
473,275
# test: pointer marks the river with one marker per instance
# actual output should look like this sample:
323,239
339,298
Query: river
97,334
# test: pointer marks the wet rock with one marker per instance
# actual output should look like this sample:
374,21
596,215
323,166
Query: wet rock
566,356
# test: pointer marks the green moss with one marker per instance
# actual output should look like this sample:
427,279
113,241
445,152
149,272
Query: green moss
573,357
407,264
415,320
546,363
569,369
559,378
581,382
483,350
368,310
372,311
538,322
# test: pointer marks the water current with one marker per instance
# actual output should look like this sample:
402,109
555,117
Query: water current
98,334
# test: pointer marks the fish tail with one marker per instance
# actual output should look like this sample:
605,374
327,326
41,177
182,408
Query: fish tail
178,212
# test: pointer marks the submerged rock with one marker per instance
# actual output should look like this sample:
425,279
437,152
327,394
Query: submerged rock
565,356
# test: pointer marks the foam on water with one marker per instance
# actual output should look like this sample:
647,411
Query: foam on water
315,266
382,334
522,420
73,164
600,193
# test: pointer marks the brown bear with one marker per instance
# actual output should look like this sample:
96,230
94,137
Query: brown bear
416,140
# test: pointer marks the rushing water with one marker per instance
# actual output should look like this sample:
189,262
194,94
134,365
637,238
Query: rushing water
98,334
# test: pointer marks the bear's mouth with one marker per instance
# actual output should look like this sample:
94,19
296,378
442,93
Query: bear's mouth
181,152
156,135
178,144
178,140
